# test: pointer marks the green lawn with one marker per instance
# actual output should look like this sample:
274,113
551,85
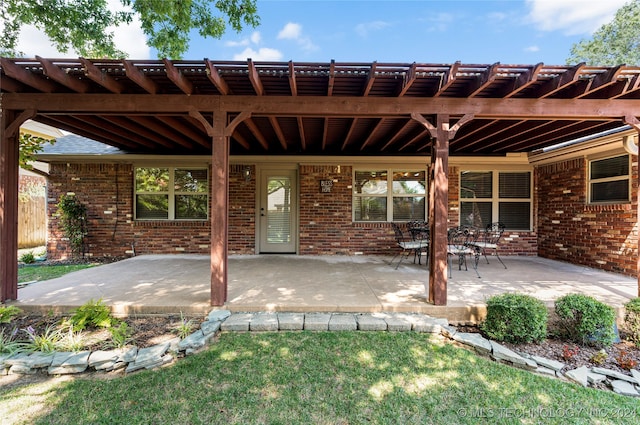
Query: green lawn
321,378
33,272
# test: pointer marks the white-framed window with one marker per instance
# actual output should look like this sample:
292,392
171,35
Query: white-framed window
609,180
389,195
171,193
496,196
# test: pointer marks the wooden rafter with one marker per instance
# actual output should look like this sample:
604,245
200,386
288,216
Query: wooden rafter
100,77
563,133
186,129
449,79
332,78
372,133
57,74
485,80
602,81
424,132
292,79
325,132
561,81
349,133
253,128
398,134
409,79
135,128
525,80
371,77
278,130
303,138
18,73
176,77
158,127
216,79
254,77
139,77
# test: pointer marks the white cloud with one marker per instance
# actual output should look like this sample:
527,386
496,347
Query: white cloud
572,16
364,29
532,49
291,31
255,37
262,54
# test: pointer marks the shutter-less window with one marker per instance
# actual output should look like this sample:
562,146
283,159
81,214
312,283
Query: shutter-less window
609,179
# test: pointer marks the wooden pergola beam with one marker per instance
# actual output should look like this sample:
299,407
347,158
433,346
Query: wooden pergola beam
254,77
20,74
102,78
253,128
293,86
216,79
57,74
176,77
278,130
139,77
481,108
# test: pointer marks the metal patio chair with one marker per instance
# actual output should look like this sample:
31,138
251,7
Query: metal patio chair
461,242
407,245
489,240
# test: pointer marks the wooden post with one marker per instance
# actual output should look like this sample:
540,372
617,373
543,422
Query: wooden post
439,225
219,210
10,122
439,202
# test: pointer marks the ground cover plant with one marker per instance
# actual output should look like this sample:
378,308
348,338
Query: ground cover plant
39,272
319,378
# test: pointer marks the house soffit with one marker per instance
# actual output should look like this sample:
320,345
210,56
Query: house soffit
319,109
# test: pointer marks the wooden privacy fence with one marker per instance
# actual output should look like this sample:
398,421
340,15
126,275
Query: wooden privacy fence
32,221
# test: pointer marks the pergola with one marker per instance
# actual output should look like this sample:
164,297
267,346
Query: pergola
223,108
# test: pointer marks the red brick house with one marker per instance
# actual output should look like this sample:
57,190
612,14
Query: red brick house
235,157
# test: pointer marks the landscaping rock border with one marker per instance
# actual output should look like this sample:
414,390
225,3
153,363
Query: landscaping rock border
132,359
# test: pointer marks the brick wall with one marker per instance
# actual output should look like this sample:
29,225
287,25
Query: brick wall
106,190
325,219
569,229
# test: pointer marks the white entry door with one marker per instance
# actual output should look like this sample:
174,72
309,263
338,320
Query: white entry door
277,211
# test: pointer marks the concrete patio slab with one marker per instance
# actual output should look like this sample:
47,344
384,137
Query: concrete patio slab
160,284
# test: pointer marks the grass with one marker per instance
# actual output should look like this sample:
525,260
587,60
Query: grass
43,272
320,378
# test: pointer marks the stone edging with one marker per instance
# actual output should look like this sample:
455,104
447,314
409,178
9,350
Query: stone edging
133,359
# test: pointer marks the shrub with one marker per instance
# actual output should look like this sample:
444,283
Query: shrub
120,334
28,257
92,313
515,318
632,320
8,312
585,320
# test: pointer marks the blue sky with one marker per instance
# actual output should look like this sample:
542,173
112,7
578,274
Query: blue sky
427,31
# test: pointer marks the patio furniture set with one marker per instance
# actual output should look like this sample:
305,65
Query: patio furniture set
463,242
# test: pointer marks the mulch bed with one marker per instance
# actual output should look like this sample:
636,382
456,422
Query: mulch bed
575,355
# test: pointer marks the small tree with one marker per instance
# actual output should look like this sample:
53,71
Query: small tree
73,218
615,43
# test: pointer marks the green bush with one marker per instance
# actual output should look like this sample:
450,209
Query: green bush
28,257
8,312
585,320
94,314
632,320
515,318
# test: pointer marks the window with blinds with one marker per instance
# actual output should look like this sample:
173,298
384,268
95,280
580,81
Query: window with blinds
609,180
490,196
167,193
389,195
